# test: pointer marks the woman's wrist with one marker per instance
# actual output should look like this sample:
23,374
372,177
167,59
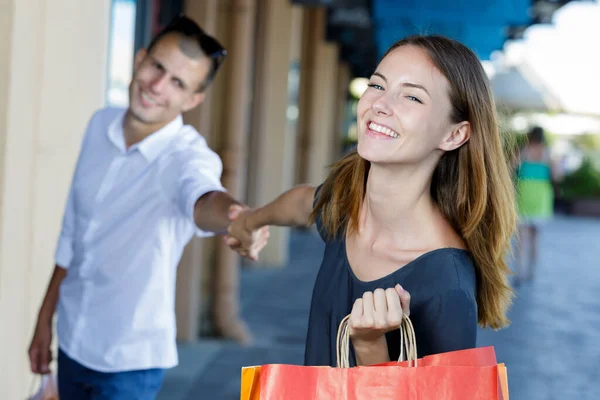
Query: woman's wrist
371,351
257,218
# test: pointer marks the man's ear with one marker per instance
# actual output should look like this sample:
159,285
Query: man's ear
195,99
458,136
139,57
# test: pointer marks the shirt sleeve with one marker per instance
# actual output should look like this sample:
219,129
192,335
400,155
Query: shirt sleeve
448,322
63,254
64,249
198,172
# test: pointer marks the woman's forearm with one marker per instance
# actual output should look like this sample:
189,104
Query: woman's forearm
370,353
292,208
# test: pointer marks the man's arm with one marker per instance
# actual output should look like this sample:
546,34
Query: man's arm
39,349
292,208
211,211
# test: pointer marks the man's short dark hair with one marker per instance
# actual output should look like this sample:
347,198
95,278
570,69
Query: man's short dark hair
186,27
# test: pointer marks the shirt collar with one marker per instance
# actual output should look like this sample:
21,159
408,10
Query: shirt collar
152,145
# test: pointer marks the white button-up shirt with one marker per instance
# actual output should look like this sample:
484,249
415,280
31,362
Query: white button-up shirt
129,214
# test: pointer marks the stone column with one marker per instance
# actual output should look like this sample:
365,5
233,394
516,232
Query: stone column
318,100
274,126
233,151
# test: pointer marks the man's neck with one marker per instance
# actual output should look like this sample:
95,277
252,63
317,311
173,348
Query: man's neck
135,130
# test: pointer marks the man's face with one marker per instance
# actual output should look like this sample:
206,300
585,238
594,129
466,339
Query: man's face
166,80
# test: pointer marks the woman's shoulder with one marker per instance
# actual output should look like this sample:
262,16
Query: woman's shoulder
447,270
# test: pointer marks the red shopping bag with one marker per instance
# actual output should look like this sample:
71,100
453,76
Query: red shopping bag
467,374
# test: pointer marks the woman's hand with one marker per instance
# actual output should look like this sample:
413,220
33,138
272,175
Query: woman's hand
242,237
373,315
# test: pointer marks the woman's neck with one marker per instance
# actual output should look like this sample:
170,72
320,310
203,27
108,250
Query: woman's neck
398,207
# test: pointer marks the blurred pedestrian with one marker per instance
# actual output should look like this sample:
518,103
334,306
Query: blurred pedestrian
535,200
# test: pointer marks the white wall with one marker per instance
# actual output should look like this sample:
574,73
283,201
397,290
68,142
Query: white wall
53,56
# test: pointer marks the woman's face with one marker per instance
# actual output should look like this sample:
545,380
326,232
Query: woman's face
403,116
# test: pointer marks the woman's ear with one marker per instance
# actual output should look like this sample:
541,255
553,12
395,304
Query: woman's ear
458,136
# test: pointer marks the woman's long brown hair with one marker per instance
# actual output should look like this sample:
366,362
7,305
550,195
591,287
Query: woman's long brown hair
471,185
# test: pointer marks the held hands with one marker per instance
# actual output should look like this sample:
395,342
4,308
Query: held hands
377,313
246,240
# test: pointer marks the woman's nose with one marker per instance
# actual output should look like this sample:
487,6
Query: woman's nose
381,106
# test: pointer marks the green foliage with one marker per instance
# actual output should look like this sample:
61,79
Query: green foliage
587,142
582,183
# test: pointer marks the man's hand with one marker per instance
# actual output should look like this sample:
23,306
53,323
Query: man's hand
40,354
247,240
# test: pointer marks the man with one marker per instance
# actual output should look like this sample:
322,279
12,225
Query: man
144,185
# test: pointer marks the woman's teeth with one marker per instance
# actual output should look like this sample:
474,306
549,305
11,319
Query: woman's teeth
382,129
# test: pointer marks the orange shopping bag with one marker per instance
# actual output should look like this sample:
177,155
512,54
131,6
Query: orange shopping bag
468,374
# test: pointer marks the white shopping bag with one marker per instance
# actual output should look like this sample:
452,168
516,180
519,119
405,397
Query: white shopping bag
48,389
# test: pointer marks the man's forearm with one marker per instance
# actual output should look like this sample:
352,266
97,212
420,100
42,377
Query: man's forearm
211,211
51,299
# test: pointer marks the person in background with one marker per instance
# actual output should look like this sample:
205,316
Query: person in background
535,200
418,219
144,185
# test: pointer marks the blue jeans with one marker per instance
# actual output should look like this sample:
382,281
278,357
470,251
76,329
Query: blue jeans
76,382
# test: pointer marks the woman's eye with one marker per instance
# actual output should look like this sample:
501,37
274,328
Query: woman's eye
375,86
413,98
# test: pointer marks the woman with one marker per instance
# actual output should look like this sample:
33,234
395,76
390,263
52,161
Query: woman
535,199
425,206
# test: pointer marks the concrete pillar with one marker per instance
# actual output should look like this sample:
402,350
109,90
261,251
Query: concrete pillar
233,152
318,99
341,105
273,141
192,267
52,78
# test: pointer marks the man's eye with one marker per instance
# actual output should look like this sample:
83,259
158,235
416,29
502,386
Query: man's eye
375,86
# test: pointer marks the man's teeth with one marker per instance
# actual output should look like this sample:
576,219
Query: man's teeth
148,98
382,129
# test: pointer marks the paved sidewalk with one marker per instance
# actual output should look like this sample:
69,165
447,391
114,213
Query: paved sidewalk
552,348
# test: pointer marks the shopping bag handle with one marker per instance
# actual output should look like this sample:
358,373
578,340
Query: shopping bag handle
408,342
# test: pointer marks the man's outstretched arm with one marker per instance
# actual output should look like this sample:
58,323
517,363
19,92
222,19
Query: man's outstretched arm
211,211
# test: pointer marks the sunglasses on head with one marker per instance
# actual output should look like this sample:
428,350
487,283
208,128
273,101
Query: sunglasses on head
209,45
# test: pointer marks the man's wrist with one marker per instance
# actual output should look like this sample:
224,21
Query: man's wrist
45,317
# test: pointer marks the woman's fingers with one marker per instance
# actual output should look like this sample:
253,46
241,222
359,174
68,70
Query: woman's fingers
404,299
368,310
394,309
380,310
356,314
